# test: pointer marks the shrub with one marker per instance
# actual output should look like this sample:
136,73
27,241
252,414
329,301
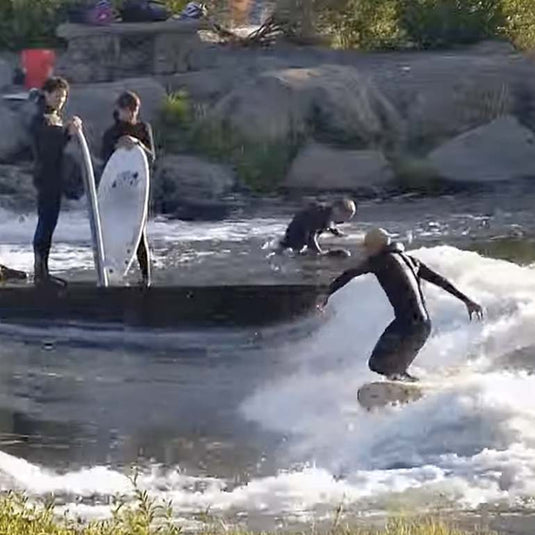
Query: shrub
364,24
519,22
436,23
380,24
27,23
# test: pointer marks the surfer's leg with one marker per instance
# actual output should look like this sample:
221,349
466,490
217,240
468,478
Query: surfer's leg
143,257
398,347
384,355
411,346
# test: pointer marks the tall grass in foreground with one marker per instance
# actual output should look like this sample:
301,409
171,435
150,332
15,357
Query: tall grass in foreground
19,517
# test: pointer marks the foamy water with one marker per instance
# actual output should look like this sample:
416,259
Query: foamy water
469,442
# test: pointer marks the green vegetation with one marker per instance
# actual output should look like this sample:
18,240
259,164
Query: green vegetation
32,23
423,24
146,517
364,24
185,127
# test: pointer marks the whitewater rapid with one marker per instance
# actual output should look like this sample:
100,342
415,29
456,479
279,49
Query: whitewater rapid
470,442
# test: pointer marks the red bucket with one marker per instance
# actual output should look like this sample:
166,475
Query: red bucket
38,65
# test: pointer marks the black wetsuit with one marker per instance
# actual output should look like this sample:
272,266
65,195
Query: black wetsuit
49,137
143,132
306,227
400,277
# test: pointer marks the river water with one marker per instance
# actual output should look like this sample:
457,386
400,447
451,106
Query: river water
261,425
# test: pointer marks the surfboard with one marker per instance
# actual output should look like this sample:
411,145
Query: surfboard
123,198
93,211
379,394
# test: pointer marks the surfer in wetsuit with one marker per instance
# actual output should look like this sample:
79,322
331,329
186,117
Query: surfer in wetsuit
400,276
49,136
307,225
127,132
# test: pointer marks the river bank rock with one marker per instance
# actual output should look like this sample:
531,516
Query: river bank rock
322,168
499,151
188,187
329,103
14,135
95,104
6,74
17,192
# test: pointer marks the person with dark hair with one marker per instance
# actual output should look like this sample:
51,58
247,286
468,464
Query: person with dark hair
127,132
307,225
400,275
49,135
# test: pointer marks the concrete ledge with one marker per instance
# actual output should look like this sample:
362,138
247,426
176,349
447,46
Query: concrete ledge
159,306
72,31
127,50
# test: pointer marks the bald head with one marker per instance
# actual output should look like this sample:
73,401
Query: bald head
375,240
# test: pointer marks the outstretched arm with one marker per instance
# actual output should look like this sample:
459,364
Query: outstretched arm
346,277
431,276
313,244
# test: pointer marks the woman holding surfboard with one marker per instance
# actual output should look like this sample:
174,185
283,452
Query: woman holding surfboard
127,132
50,135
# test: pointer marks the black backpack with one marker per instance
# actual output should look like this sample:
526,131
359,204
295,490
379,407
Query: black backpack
144,11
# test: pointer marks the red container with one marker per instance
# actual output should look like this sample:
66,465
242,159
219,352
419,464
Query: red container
38,65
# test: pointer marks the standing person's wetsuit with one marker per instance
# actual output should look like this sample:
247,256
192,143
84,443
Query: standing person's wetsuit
308,225
49,136
126,132
400,276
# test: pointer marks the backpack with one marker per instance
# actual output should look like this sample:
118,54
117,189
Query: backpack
144,11
193,11
94,12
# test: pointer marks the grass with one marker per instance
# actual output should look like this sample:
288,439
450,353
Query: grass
19,517
146,516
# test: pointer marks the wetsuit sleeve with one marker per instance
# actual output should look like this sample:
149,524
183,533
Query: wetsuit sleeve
108,145
347,276
431,276
147,143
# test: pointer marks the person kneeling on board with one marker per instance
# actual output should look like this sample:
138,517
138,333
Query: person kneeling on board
49,135
126,132
400,276
308,224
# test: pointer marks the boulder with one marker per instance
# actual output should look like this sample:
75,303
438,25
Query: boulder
94,103
441,95
192,188
331,103
14,136
206,86
499,151
6,74
16,187
322,168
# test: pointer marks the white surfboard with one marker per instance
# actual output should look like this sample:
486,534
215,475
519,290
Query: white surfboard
123,198
382,393
93,210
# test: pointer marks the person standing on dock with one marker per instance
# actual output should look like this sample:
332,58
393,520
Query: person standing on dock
127,132
49,136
